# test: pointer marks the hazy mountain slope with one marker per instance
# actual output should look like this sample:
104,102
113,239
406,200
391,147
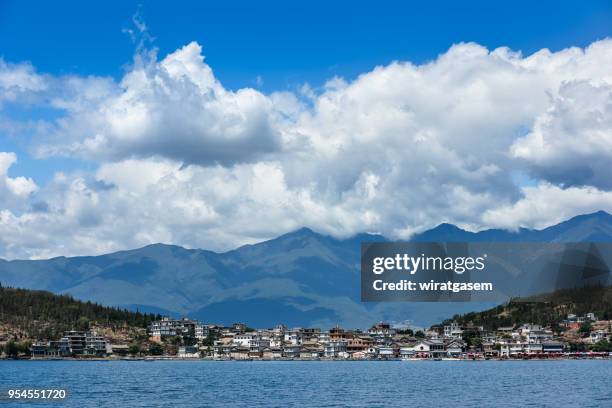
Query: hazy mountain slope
300,278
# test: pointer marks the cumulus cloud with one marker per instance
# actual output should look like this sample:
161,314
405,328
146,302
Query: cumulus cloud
13,189
181,159
19,81
571,143
173,108
546,204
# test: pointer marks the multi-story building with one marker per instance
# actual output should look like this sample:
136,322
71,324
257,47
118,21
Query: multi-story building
95,345
244,339
381,333
167,327
336,349
294,337
339,334
453,330
73,343
358,344
239,327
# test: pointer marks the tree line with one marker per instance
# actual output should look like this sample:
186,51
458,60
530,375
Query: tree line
46,316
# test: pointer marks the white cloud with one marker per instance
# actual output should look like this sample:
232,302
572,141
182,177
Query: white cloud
571,143
173,108
18,80
182,159
546,204
12,188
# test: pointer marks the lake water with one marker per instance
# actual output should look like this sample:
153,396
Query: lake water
322,384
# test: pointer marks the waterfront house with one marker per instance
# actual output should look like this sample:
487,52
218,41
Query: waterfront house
421,349
511,349
188,352
533,348
407,351
73,343
390,351
488,349
239,353
311,352
257,344
47,350
336,349
358,344
272,353
433,348
454,348
96,345
291,351
222,349
552,347
120,349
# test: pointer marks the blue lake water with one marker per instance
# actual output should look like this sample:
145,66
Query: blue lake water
322,384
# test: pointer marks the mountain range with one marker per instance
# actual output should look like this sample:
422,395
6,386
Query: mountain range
301,278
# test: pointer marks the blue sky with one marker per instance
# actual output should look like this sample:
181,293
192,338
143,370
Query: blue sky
288,43
256,118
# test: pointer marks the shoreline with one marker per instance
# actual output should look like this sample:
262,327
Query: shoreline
152,359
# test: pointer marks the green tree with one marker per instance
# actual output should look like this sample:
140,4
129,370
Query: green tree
11,349
156,349
134,349
602,346
585,328
472,340
82,324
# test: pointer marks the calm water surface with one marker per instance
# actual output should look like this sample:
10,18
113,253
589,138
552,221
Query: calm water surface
319,384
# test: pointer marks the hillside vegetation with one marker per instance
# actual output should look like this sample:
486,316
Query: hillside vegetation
43,315
546,309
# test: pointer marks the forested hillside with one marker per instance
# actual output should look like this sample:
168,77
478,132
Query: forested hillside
44,315
546,309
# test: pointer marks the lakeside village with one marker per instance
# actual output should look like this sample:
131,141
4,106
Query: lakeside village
582,337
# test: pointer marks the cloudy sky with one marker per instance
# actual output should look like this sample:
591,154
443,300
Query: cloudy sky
117,130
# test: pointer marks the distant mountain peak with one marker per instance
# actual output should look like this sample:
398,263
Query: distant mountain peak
599,215
303,231
302,277
445,226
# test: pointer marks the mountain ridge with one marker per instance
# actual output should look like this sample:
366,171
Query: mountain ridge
299,278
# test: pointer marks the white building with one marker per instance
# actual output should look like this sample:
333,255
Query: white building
167,327
336,349
294,337
511,349
188,352
244,339
453,330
